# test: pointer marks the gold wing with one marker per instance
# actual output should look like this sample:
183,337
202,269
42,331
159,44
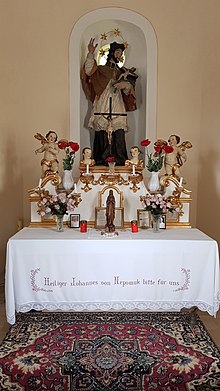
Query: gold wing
42,139
185,145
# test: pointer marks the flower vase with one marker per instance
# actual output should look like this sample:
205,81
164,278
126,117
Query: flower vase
68,181
59,223
154,183
156,222
111,168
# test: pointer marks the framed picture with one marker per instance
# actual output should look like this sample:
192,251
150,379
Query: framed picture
172,216
100,218
143,218
74,220
163,222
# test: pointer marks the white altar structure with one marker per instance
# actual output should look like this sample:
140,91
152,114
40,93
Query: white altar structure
92,189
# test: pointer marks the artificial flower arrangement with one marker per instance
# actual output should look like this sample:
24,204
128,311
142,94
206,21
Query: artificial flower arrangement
70,149
58,204
158,204
156,158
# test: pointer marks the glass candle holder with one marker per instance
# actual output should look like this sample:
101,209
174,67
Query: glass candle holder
134,226
83,226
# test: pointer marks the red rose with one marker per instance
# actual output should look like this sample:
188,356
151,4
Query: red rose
62,144
110,159
145,143
74,146
157,148
168,149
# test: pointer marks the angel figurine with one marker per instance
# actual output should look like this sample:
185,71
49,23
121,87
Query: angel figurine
50,148
174,160
135,158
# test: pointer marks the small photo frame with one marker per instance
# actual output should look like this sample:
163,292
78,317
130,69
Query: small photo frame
143,218
163,222
74,220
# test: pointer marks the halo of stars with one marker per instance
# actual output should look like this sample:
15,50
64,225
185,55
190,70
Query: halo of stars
104,38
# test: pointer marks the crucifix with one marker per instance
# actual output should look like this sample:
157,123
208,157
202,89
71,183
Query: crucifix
109,115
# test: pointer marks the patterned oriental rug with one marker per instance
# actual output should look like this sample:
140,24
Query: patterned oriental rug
108,351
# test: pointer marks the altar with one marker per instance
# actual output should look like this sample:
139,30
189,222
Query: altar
142,271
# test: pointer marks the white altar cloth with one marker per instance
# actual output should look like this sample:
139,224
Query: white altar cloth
169,270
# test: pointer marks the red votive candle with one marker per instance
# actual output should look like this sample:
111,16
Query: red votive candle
83,226
134,226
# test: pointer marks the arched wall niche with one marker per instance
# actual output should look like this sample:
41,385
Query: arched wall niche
141,53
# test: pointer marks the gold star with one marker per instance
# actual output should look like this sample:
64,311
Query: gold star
125,44
103,37
117,32
101,52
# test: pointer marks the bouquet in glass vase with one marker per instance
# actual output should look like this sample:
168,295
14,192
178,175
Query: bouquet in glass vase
57,204
111,163
157,205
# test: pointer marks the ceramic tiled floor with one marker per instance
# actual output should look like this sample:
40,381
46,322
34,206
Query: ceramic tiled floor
212,324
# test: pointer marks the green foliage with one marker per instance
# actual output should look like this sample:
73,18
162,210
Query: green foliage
68,160
155,161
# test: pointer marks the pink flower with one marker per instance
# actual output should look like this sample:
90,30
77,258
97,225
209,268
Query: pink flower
62,197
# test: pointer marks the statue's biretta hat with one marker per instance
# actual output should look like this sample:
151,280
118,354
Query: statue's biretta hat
115,45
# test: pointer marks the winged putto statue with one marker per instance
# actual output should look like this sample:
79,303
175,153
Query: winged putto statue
49,163
174,160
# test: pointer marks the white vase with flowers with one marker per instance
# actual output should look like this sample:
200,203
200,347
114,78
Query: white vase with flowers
155,161
70,149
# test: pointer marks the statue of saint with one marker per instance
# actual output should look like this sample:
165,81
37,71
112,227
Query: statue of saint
110,211
112,92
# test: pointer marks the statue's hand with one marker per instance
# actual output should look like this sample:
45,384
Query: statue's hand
122,85
91,46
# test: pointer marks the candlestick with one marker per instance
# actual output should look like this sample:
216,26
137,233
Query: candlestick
133,169
87,169
181,182
39,184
